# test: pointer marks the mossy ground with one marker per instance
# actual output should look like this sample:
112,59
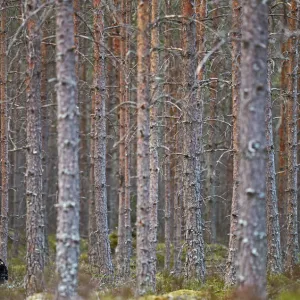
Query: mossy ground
169,286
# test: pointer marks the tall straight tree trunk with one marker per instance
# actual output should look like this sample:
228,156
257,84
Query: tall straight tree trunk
35,213
167,143
193,110
67,245
104,261
154,167
230,276
91,205
178,204
124,225
144,251
282,142
4,139
292,82
128,7
273,229
252,252
211,139
45,135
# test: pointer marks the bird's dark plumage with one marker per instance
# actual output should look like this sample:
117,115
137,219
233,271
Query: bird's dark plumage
3,272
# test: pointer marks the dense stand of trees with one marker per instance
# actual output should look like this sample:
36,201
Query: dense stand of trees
151,122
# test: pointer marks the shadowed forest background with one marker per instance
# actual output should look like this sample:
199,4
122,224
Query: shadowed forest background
149,149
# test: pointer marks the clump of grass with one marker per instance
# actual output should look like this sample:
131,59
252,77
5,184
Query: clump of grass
277,283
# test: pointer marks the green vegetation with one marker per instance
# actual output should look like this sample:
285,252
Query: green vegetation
169,286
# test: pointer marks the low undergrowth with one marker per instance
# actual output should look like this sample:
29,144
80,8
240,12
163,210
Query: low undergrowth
168,284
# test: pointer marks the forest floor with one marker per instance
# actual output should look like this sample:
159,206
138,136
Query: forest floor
169,286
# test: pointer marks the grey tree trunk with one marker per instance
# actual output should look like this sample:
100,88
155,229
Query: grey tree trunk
67,245
143,268
168,145
252,252
231,276
35,214
178,204
104,261
4,139
45,135
292,247
154,167
195,265
273,229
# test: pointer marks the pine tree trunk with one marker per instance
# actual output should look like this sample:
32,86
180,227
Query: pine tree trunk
4,139
193,111
282,143
124,225
143,268
252,252
167,150
178,204
211,167
128,229
273,229
230,277
154,167
35,212
45,136
104,261
292,82
67,246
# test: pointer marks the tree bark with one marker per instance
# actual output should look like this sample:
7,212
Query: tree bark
193,111
124,225
211,167
292,82
154,167
273,229
35,226
45,136
282,165
67,246
252,252
167,150
230,277
4,138
144,276
104,261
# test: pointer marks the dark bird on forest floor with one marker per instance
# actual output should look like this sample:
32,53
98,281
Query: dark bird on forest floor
3,272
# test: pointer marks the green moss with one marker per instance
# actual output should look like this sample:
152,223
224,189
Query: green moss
289,295
167,282
113,238
41,296
277,283
84,258
16,272
12,292
52,243
84,245
216,253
